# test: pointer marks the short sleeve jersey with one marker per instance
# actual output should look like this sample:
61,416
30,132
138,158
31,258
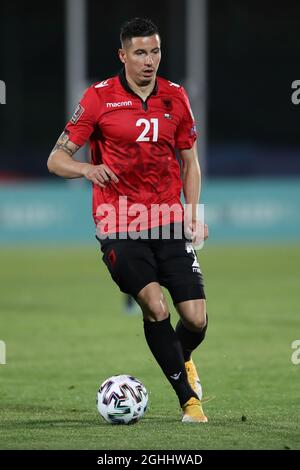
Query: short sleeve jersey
137,141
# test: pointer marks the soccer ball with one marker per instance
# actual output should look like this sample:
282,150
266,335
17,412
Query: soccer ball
122,399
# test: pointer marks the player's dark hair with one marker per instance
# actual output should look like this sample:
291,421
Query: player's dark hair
137,27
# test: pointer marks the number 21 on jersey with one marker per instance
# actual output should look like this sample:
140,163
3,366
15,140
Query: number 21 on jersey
143,137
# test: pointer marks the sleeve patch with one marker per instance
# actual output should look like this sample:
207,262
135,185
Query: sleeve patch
77,113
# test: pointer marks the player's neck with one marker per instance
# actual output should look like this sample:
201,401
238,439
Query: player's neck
142,91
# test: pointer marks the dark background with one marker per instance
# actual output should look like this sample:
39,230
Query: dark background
253,56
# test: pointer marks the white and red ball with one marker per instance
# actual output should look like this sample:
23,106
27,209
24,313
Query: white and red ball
122,399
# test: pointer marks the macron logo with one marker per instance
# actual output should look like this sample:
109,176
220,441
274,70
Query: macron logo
176,376
118,104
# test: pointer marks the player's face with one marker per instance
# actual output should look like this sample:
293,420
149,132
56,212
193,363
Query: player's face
141,57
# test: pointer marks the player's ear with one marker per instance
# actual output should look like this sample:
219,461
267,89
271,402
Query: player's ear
122,55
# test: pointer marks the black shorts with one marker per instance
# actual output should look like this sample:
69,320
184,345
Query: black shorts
172,263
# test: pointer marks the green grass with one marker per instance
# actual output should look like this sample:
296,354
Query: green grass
62,321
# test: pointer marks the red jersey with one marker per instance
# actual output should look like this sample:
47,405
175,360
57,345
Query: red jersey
136,139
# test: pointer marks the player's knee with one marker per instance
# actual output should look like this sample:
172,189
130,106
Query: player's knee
155,310
198,322
199,317
153,304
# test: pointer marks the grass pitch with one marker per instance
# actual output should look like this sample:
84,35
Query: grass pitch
65,332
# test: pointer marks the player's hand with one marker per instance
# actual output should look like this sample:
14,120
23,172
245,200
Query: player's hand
196,232
206,232
100,175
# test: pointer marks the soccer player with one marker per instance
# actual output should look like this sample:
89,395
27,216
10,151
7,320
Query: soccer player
134,122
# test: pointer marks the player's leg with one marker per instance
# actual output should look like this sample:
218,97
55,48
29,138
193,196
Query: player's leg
191,330
133,267
180,273
162,340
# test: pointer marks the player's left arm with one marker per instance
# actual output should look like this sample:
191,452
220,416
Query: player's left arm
191,177
192,185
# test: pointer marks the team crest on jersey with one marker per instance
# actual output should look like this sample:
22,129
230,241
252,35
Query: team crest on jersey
167,104
77,113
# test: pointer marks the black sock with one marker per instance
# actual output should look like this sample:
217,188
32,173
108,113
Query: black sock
189,340
166,349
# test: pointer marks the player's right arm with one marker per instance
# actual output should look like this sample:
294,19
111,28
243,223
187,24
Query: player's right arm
62,163
61,160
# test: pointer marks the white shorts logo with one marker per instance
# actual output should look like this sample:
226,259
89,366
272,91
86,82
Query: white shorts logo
195,266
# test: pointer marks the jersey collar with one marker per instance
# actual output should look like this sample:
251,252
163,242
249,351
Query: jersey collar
124,83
